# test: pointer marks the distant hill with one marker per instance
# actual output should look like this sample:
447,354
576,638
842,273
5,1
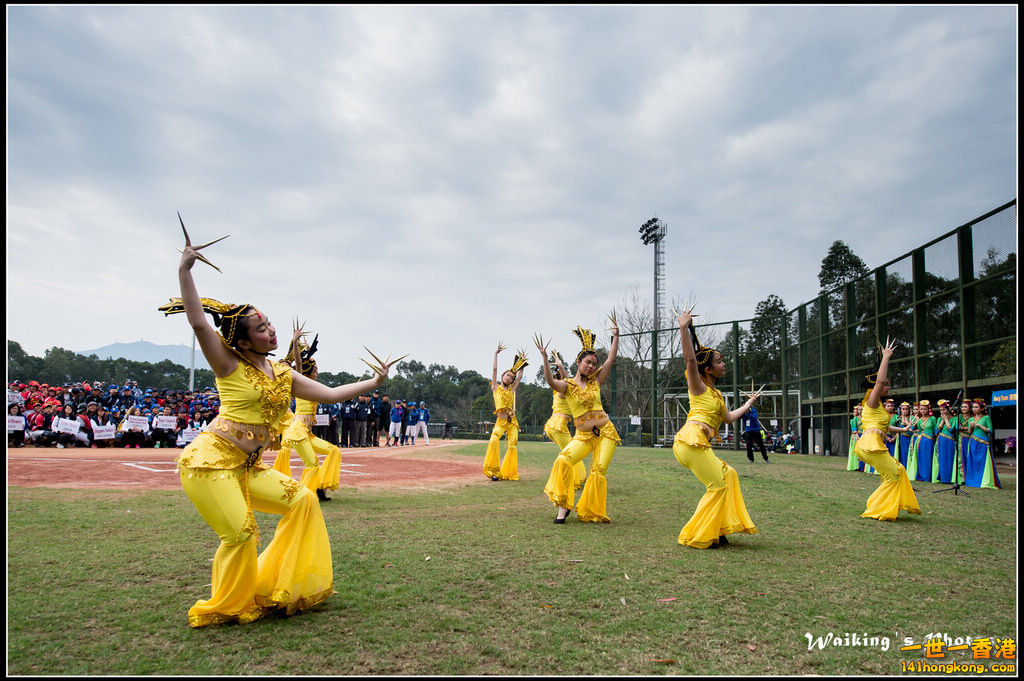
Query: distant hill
144,351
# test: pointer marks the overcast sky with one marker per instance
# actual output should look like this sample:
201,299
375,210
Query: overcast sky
433,179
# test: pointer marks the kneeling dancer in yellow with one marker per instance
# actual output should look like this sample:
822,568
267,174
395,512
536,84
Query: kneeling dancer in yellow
894,493
721,510
557,426
504,394
298,432
594,432
224,476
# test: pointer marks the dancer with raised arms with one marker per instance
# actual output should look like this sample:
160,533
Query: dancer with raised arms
557,426
504,394
223,473
894,493
298,431
721,511
594,431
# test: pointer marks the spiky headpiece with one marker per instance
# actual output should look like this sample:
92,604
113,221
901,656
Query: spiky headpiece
221,312
306,363
587,338
519,362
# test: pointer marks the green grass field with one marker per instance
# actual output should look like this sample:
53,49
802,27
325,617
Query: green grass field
476,579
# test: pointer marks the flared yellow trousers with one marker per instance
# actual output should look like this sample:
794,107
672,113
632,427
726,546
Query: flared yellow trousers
509,468
721,510
561,488
894,492
326,475
295,569
558,432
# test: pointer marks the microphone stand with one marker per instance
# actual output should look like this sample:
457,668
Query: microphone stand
958,465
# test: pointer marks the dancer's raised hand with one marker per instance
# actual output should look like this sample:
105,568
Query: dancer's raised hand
191,253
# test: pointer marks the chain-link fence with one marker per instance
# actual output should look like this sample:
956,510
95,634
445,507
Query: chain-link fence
950,304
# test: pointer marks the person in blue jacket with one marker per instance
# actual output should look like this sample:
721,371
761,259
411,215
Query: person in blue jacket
414,420
752,434
395,430
424,420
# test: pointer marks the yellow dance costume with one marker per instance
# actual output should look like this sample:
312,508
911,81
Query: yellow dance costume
585,407
894,494
504,398
721,510
557,430
298,435
223,474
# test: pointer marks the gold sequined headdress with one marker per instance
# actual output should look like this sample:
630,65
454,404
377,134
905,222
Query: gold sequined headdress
587,338
220,311
305,353
519,362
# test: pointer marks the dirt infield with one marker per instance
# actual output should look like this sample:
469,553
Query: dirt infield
411,466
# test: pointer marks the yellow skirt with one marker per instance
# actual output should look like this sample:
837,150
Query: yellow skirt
295,569
894,493
721,510
560,487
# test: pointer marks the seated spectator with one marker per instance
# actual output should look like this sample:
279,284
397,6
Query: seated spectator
84,433
39,424
164,437
14,394
64,439
15,438
101,418
134,435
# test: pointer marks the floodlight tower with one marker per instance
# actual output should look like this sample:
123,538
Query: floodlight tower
653,232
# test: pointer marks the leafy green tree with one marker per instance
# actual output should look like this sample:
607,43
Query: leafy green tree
762,347
20,365
1004,359
840,265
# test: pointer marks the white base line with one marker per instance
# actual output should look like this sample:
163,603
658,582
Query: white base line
152,470
146,467
174,467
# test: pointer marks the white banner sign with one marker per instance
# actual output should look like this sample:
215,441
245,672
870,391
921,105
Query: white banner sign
66,425
103,432
166,422
323,420
634,420
189,434
140,422
15,423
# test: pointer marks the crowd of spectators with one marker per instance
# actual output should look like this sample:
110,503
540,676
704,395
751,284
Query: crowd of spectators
100,415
